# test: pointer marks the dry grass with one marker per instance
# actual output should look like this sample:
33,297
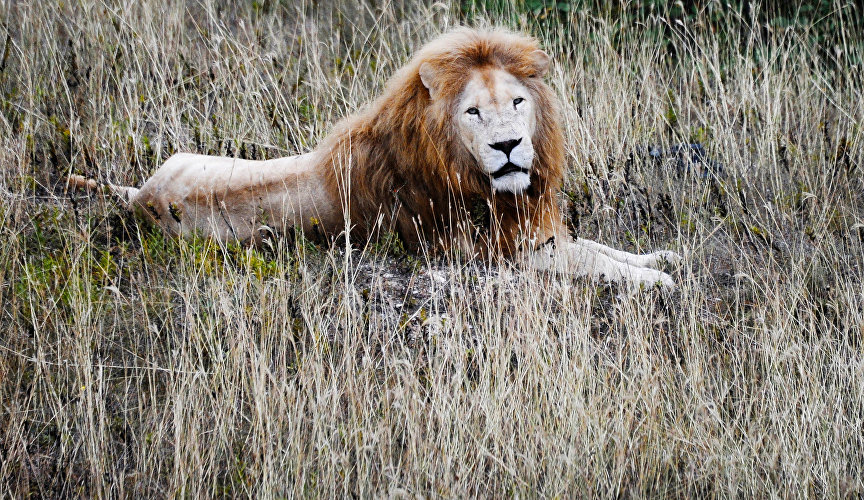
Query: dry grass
131,365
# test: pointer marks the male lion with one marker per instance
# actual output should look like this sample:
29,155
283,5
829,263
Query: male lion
467,123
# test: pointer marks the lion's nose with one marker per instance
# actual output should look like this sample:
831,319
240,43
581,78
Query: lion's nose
506,146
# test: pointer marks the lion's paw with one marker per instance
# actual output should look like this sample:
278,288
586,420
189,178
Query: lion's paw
650,279
656,260
645,278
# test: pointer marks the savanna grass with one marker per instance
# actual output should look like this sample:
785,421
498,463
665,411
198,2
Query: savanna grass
132,364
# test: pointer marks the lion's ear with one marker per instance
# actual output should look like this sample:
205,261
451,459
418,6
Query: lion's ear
428,76
540,60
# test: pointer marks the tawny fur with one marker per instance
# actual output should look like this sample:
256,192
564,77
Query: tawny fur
398,166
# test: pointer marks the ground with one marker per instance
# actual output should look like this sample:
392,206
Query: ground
132,364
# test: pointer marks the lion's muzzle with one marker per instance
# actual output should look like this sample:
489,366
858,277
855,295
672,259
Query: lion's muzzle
508,168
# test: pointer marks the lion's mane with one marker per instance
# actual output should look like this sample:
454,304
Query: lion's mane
401,156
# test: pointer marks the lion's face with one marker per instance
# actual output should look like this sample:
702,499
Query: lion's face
492,100
495,120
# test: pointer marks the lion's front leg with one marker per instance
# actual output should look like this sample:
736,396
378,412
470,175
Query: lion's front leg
577,257
653,260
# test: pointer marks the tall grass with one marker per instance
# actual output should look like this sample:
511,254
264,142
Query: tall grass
132,364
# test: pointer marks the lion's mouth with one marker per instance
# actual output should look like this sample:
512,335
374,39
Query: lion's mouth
507,169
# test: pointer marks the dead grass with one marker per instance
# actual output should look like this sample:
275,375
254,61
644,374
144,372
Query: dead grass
135,366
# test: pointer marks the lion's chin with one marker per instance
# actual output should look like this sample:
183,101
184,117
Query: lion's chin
512,183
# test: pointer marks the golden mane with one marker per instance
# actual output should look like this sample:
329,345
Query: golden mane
404,159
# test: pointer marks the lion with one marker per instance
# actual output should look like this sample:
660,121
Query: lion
463,150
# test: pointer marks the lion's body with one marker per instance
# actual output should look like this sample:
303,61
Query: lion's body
411,163
232,198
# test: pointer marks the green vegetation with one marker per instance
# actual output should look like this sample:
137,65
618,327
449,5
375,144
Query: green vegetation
133,364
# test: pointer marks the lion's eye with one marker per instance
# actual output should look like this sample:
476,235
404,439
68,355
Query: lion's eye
517,101
473,111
